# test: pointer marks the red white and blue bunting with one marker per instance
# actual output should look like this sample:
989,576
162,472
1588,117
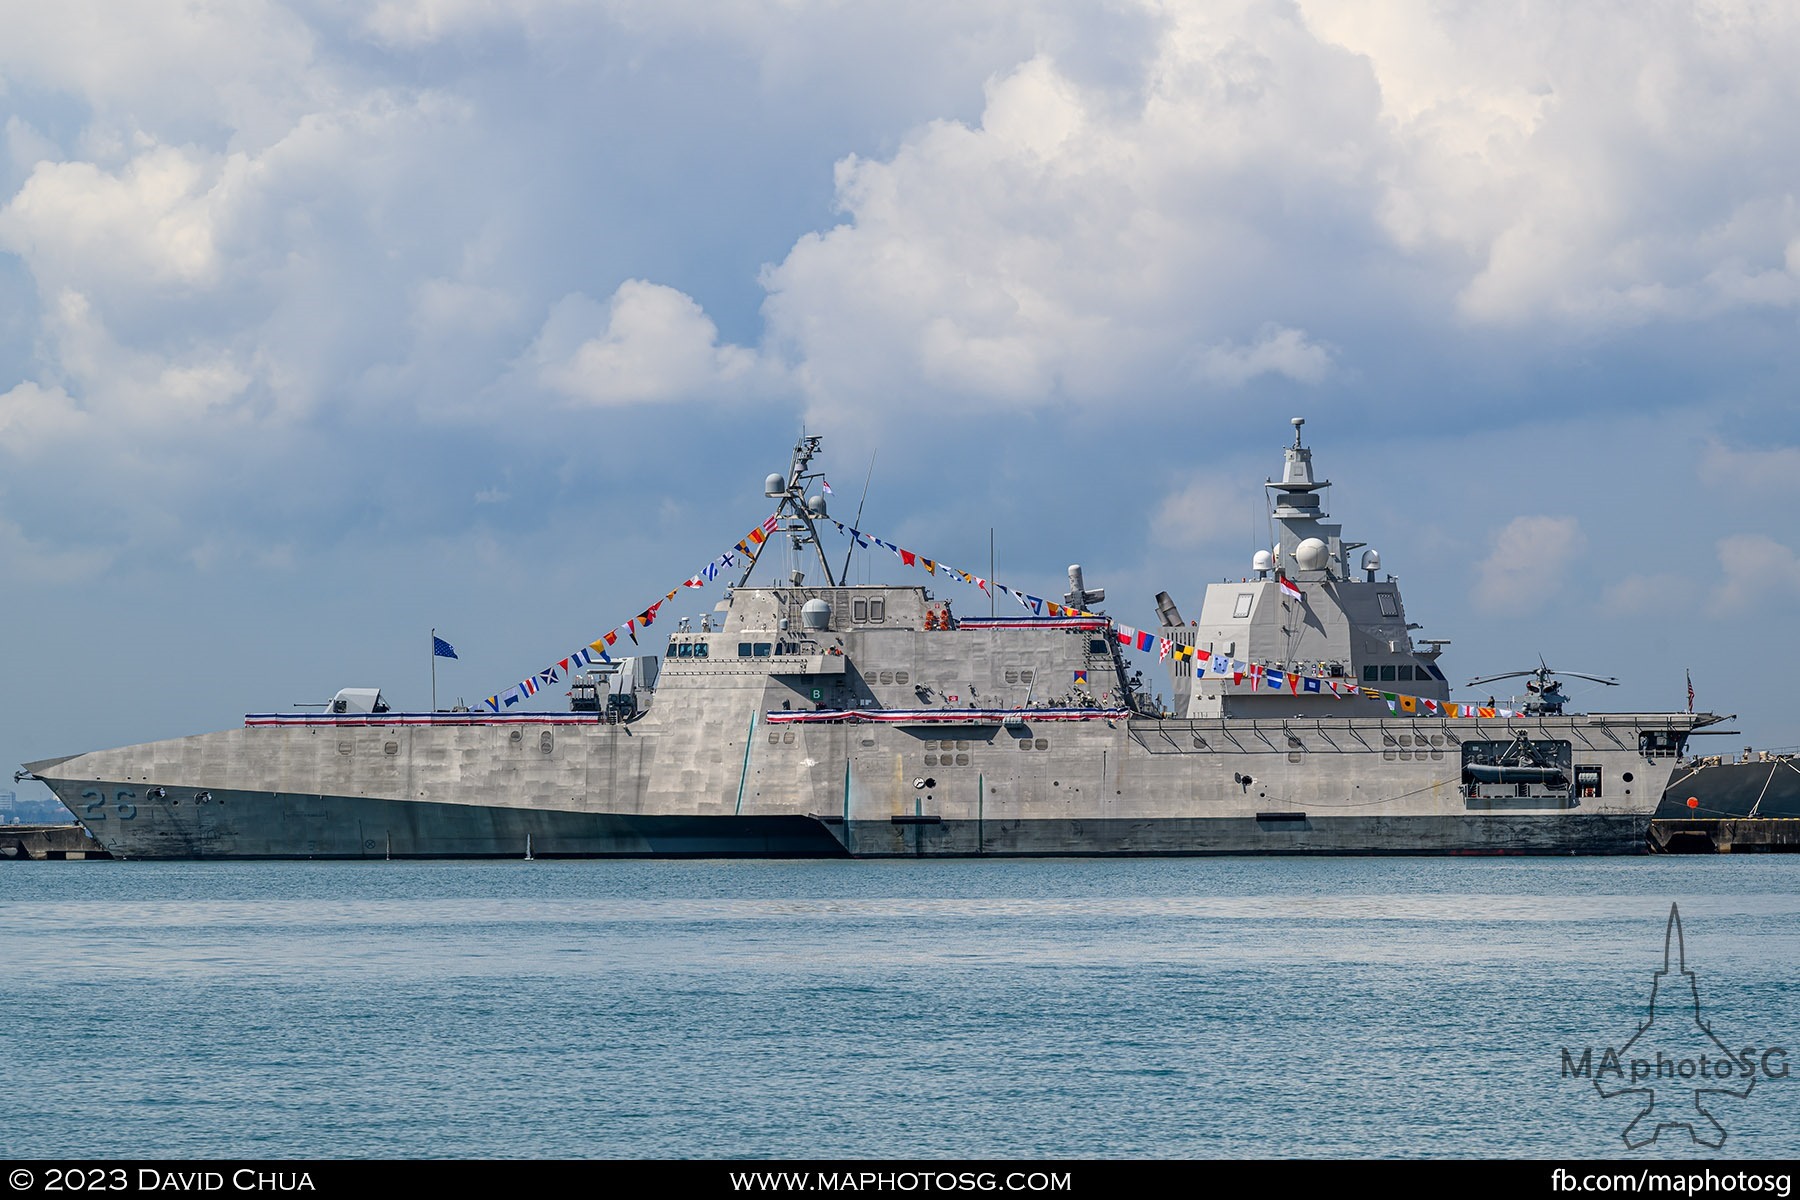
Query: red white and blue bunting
942,716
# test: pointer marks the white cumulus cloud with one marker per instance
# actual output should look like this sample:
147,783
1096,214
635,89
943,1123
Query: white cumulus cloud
1528,563
1212,510
1757,572
647,343
1277,352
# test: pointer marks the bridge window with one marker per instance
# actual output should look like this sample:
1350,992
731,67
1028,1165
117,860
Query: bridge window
1387,673
878,610
1369,675
1388,607
700,650
1242,608
762,649
743,649
1406,671
859,610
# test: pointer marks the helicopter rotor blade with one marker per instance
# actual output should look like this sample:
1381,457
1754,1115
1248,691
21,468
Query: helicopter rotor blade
1496,678
1610,682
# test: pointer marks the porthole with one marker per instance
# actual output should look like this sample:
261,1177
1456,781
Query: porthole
1043,743
1024,676
962,745
1626,777
787,735
546,743
931,760
394,747
344,747
516,736
1012,676
868,741
1293,757
1199,742
1437,755
774,736
902,677
1388,755
962,760
885,677
1406,739
1024,743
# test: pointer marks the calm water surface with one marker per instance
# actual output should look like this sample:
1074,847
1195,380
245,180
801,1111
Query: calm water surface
1013,1009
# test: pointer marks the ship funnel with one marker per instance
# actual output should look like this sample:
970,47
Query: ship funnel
1165,608
775,485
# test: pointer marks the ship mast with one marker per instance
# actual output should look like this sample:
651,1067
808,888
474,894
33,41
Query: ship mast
790,492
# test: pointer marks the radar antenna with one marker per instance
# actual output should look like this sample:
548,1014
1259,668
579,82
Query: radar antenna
790,492
1544,687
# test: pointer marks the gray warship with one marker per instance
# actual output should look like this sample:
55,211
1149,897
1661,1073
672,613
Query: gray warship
1730,805
823,719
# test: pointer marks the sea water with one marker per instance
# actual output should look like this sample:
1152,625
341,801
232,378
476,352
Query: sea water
1021,1009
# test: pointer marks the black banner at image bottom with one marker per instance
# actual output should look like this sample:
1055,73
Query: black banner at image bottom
963,1177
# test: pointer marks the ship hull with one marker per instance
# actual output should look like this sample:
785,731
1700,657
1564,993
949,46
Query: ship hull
1176,837
252,825
1105,786
273,825
1730,808
1767,788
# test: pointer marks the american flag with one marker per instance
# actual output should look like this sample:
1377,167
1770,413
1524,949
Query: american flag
1690,683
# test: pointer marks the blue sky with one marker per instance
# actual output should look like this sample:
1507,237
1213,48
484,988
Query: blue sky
323,324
